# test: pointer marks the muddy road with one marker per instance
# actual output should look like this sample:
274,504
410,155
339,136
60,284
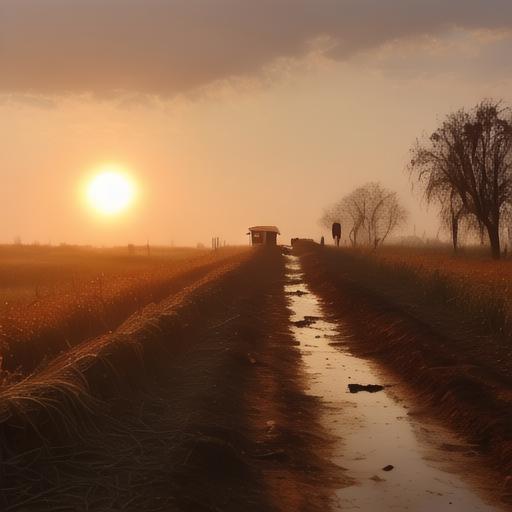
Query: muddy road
233,395
398,457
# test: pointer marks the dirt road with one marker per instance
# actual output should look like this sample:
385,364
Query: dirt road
224,399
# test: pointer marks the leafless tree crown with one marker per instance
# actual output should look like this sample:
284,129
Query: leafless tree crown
466,166
369,214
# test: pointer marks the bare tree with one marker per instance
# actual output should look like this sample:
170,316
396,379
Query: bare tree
370,214
383,212
458,221
469,155
475,226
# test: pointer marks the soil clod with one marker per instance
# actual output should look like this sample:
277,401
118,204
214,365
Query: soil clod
306,322
298,293
370,388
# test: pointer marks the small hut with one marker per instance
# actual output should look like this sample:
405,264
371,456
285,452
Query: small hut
264,235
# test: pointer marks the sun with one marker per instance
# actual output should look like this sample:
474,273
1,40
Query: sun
110,191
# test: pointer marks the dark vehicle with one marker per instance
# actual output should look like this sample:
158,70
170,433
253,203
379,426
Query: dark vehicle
336,232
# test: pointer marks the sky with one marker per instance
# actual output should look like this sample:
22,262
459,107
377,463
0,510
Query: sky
229,113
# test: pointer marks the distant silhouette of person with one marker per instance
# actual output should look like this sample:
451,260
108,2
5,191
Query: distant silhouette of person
336,233
322,241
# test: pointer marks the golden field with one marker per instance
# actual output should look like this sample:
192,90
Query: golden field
54,297
471,269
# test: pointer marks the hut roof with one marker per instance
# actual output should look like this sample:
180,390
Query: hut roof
268,229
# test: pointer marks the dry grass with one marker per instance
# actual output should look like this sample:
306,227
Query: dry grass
54,298
61,439
469,269
466,298
480,288
54,415
31,273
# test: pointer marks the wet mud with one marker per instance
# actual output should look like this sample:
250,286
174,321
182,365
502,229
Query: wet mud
398,459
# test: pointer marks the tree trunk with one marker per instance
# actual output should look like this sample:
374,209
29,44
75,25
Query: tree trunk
356,230
455,234
494,239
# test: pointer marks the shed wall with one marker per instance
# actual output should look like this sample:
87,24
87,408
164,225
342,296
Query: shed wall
263,238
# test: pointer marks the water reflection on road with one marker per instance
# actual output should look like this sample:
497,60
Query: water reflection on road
375,429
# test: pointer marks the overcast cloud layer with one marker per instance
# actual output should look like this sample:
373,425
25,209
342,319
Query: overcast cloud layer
168,47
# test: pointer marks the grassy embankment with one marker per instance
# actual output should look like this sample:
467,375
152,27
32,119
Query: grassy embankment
442,323
55,297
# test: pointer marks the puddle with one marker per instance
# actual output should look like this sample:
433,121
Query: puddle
374,429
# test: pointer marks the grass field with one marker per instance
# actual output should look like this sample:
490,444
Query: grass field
29,273
467,296
54,297
470,268
480,288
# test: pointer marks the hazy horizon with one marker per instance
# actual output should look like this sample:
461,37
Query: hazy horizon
229,115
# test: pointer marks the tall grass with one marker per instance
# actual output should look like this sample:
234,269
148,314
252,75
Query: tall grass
82,293
480,288
465,300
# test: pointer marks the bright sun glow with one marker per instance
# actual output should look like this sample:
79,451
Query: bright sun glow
110,191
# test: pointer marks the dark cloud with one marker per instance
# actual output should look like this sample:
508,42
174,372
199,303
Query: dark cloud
167,47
